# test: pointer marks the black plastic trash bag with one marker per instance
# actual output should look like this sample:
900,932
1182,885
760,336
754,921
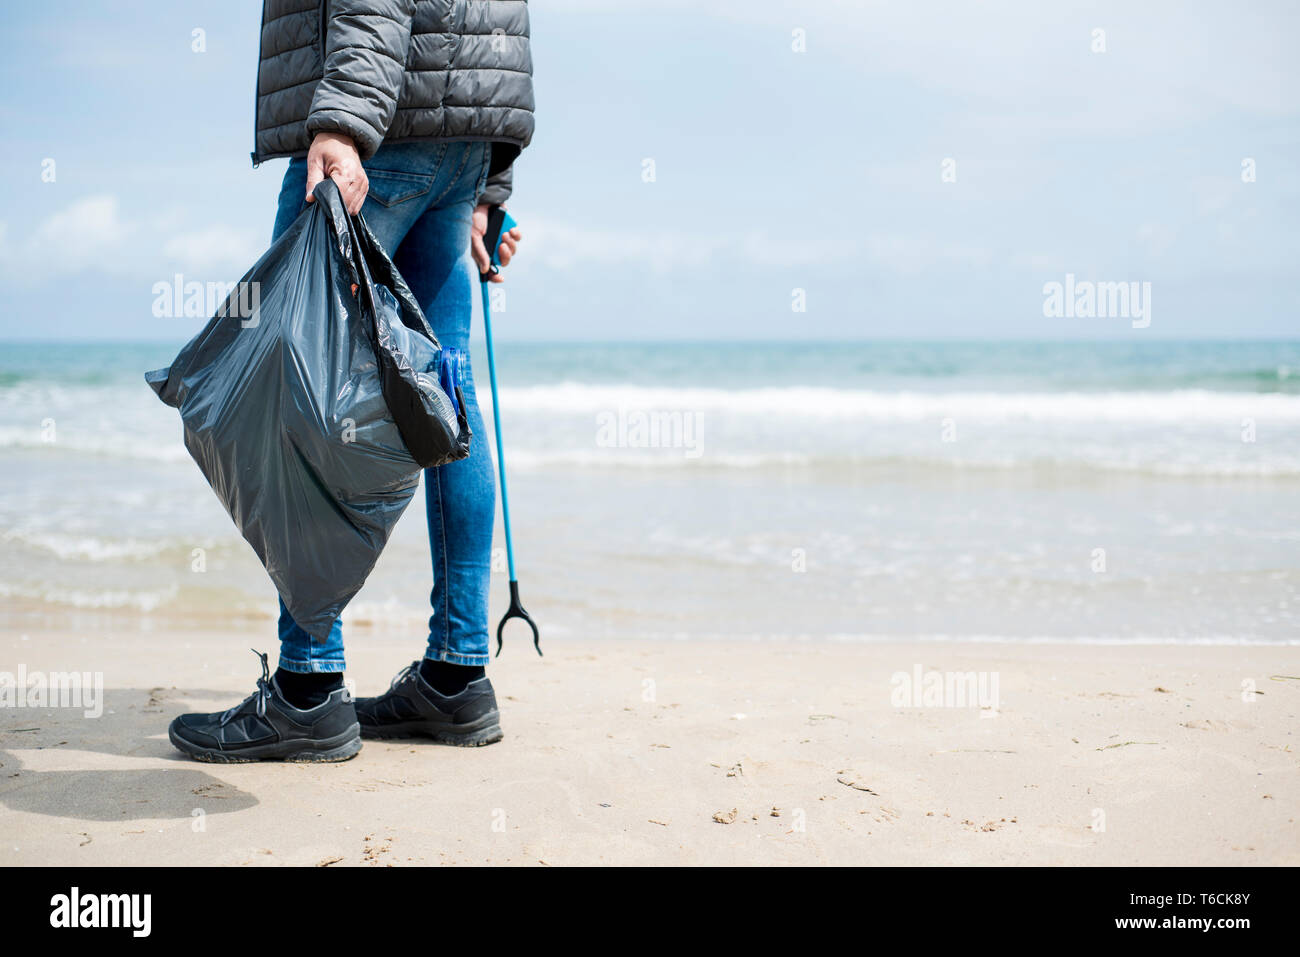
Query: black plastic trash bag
312,400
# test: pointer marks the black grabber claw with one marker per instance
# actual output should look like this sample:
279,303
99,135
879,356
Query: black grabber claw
516,610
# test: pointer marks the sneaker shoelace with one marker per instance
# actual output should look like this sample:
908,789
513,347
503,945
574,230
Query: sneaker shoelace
402,675
262,694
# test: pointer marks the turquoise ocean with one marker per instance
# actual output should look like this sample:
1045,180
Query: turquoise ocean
1096,492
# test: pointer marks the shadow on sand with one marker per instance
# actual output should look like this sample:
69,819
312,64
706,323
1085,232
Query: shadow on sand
133,726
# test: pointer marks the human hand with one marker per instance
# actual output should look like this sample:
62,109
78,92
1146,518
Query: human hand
507,248
335,155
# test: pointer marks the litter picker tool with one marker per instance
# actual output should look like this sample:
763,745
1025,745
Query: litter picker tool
499,221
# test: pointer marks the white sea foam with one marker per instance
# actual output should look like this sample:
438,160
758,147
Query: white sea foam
85,547
1176,433
96,599
1192,405
1283,466
903,638
72,441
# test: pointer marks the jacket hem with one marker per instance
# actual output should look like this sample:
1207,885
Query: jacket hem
259,158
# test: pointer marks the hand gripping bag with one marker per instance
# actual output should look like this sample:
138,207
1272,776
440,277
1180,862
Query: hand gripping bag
312,400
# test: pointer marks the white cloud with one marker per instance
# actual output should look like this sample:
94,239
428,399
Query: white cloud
94,236
1157,238
567,245
219,247
82,236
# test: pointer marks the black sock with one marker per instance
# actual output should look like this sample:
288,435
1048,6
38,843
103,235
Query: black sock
306,690
447,678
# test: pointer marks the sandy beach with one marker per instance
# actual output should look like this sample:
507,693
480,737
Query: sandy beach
701,753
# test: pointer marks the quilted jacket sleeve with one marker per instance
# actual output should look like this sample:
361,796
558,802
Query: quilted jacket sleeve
366,45
498,187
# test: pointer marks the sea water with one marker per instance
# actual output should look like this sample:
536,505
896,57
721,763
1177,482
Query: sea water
1105,492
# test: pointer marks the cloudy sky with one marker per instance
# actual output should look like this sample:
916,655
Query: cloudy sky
798,145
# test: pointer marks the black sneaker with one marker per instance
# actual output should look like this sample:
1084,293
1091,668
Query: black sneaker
412,708
266,727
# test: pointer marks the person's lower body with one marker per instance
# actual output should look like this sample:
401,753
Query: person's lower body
420,206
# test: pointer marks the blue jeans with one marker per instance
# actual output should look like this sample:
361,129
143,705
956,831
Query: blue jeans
420,206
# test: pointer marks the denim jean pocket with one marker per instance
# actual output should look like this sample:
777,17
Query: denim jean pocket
483,176
391,187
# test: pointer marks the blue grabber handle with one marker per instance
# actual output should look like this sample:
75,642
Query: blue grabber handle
499,221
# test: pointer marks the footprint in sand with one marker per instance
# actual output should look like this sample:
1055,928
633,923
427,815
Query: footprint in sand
1207,724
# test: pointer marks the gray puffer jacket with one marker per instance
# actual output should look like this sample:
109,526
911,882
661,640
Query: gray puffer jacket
396,71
